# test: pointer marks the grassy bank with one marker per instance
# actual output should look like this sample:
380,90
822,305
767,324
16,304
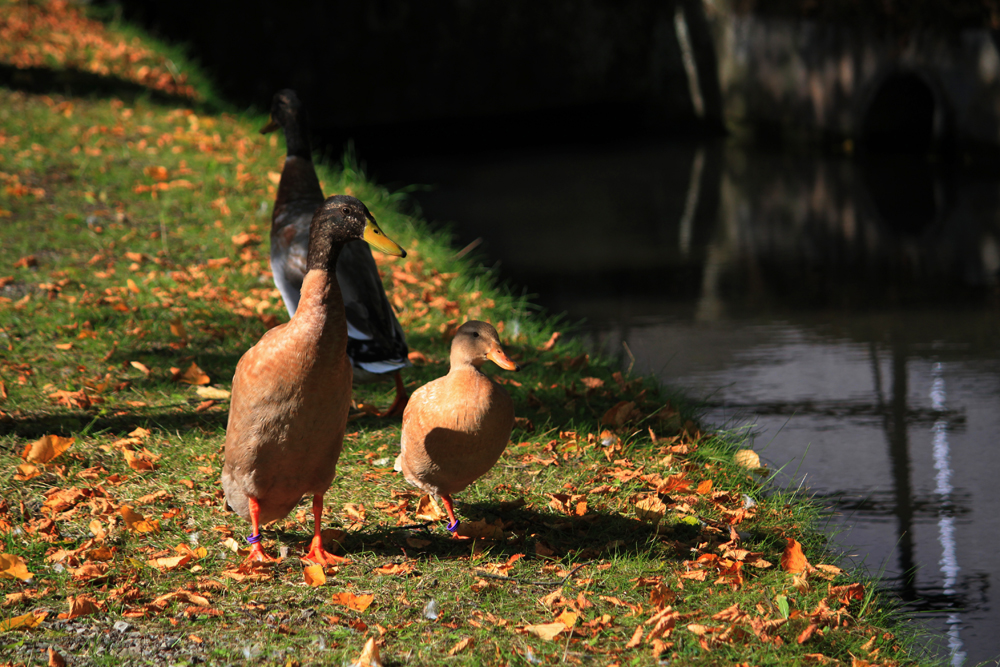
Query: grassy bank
134,274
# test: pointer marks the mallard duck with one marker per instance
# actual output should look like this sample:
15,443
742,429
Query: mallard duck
456,427
292,390
377,344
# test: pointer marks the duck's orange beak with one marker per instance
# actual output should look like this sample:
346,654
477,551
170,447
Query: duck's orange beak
271,126
498,357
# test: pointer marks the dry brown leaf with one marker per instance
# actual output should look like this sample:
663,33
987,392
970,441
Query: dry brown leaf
80,605
213,393
747,458
314,574
193,375
352,601
568,618
620,414
551,342
481,529
141,367
46,448
461,646
369,655
650,509
428,509
793,560
26,621
55,659
26,471
395,568
168,563
548,631
137,522
14,567
140,461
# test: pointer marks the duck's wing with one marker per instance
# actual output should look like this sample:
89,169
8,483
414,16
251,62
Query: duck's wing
376,342
290,249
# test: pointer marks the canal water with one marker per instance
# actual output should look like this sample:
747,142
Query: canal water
845,311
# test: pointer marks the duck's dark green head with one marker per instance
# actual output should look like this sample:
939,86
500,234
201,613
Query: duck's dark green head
286,111
340,220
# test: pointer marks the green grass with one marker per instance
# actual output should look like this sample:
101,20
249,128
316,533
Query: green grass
122,273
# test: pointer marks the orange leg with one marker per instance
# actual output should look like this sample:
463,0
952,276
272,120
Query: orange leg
256,551
401,399
453,526
317,553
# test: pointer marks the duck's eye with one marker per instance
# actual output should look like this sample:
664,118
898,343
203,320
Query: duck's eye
475,334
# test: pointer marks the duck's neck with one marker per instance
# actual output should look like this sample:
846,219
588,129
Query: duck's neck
321,311
297,138
462,365
298,176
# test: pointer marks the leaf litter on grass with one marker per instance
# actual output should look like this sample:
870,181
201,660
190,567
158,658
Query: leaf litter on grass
614,529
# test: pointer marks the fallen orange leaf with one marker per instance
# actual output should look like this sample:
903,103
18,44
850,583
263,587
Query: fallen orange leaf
137,522
352,601
13,567
704,487
568,618
139,461
25,621
551,342
461,646
26,471
650,509
170,562
395,568
369,655
428,509
193,375
46,448
793,560
314,575
55,659
547,631
80,605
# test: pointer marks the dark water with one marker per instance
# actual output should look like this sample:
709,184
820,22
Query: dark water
846,311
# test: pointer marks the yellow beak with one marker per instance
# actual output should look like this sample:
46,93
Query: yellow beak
271,126
500,358
377,239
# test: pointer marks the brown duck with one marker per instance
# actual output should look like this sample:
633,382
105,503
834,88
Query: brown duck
292,390
456,427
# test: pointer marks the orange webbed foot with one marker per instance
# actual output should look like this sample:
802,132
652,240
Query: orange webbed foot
319,555
257,555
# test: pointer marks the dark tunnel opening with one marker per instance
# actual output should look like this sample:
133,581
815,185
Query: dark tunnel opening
897,142
900,118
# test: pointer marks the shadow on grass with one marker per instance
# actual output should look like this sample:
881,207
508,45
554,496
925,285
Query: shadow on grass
76,423
78,83
598,534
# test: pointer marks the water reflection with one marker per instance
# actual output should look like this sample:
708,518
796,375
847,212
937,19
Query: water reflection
847,311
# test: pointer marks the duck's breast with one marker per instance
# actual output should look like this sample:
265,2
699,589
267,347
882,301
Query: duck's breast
286,424
454,431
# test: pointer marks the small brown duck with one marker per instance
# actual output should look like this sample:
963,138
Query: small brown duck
456,427
292,390
376,342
